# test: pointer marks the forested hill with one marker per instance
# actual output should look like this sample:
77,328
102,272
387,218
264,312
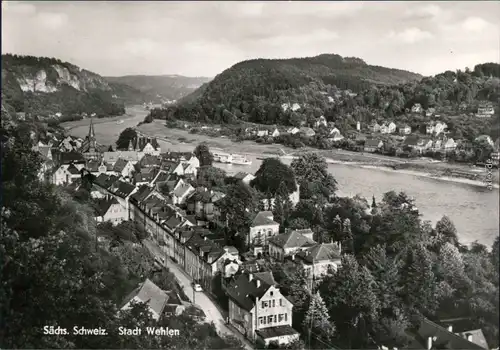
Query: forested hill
344,90
48,86
266,83
158,88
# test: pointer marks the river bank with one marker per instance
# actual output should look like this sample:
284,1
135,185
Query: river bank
418,167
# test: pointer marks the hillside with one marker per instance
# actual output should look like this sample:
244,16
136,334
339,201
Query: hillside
47,86
158,88
255,90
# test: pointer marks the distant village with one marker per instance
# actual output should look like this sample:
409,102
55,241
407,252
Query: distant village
130,186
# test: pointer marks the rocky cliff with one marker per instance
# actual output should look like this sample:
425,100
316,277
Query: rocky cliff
48,87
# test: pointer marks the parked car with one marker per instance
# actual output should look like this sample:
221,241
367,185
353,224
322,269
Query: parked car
198,288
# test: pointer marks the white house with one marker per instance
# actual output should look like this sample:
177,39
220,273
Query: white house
405,130
294,107
321,121
262,228
293,131
66,174
417,108
275,133
123,168
181,193
110,210
259,311
262,133
289,243
439,127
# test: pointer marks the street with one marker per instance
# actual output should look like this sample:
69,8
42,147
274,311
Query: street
201,299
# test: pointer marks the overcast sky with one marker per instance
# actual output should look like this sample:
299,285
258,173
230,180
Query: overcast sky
204,38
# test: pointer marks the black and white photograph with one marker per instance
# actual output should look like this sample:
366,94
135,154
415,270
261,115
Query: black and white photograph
250,175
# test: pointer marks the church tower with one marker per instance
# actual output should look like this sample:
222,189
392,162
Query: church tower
91,138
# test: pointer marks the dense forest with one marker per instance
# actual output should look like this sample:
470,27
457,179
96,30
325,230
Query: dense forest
55,272
53,88
342,90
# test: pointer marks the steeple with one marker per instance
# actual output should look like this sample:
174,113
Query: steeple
130,146
91,129
91,137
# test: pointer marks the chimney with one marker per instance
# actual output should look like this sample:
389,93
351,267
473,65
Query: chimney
250,277
429,343
469,337
258,283
450,328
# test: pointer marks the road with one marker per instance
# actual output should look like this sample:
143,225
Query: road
201,299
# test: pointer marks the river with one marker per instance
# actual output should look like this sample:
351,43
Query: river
473,209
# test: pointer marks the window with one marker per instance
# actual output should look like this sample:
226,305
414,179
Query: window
270,319
264,304
275,319
263,321
285,317
271,293
273,302
281,302
281,317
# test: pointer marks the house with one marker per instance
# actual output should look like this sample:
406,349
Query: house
145,177
485,110
109,210
405,130
387,128
176,157
289,243
173,167
132,156
201,203
417,108
485,138
262,133
275,132
318,259
321,121
181,193
97,167
122,191
149,293
429,335
373,145
189,170
374,127
449,145
66,174
294,107
244,177
439,127
123,168
430,112
149,161
293,131
307,132
259,311
262,228
145,145
336,136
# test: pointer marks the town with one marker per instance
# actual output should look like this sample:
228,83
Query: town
185,214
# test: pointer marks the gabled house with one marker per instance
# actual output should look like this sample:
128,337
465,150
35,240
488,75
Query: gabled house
66,174
262,228
96,167
123,168
262,133
289,243
275,132
293,130
189,170
244,177
173,167
449,145
430,112
373,145
307,132
145,176
132,156
374,127
416,108
109,210
318,259
405,130
149,161
181,157
201,203
259,311
181,193
388,128
485,110
428,335
321,121
336,137
149,293
122,191
439,127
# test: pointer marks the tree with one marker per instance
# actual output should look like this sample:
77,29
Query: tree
202,152
279,211
210,176
347,238
419,284
271,174
316,320
351,301
239,205
126,136
312,175
447,231
298,224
